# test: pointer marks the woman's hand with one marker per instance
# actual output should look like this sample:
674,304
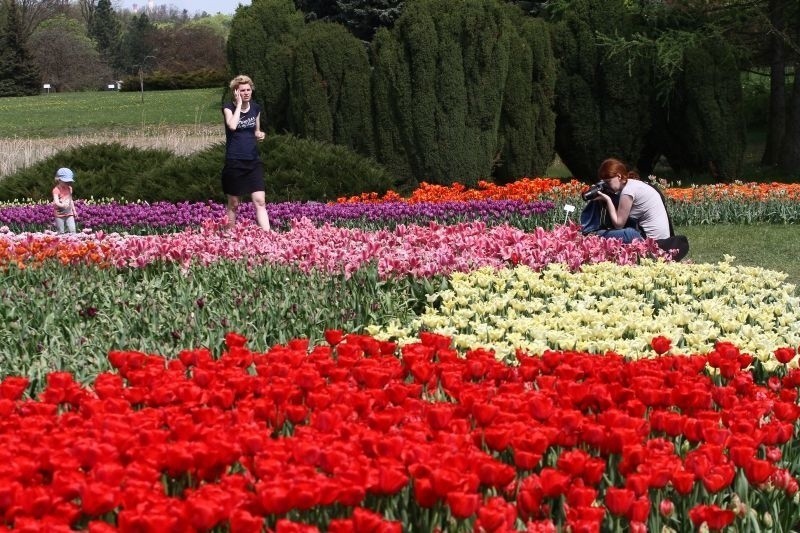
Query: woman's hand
602,196
260,135
237,98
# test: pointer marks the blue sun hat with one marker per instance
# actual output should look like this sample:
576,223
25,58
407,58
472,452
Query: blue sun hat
64,174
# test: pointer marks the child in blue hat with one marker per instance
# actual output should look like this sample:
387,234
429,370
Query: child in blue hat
62,201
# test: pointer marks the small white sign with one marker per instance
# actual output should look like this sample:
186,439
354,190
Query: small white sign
569,208
46,86
112,86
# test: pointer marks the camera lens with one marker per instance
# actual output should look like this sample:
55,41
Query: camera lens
592,192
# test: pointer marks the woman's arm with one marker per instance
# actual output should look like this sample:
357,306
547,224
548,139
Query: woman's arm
232,117
259,134
619,214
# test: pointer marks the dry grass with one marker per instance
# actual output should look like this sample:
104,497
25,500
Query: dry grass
17,152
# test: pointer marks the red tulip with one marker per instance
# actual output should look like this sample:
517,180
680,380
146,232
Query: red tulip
618,501
497,515
333,336
639,510
462,505
554,482
784,355
758,471
234,340
241,521
13,387
424,494
484,413
581,496
711,515
718,477
661,345
366,521
97,499
390,481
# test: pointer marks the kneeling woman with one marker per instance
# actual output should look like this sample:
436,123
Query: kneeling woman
637,200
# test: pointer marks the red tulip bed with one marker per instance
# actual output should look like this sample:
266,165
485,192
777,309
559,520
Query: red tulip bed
346,436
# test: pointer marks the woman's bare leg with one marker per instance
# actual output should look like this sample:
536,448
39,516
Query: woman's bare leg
233,205
260,203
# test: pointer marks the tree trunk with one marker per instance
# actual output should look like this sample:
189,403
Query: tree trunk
776,122
789,160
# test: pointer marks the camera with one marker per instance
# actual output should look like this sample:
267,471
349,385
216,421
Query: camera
592,192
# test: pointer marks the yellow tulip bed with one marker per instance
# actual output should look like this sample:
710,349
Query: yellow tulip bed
608,307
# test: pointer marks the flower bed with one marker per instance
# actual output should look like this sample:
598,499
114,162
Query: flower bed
526,204
160,217
609,307
346,436
421,251
587,386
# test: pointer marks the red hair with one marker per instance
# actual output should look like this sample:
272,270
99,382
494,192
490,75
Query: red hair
612,167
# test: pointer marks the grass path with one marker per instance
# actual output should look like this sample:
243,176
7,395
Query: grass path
775,247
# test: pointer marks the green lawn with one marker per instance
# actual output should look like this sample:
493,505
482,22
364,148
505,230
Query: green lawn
66,114
774,247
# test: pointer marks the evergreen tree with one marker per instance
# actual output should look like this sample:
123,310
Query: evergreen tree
701,126
136,46
261,44
440,82
18,74
527,126
361,17
602,103
392,97
364,17
104,28
330,91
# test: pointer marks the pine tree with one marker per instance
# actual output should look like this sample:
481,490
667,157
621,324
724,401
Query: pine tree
136,45
18,74
364,17
361,17
104,29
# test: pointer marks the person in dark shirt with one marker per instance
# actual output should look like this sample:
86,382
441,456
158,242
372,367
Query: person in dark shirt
243,172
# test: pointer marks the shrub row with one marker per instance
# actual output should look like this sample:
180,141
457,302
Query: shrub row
165,81
296,169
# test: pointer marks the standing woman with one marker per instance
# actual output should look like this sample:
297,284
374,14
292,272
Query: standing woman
243,172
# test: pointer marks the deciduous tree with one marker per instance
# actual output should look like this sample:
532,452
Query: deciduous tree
66,57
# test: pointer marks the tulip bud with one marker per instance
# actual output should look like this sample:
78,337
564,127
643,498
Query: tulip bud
666,508
774,454
739,507
767,520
